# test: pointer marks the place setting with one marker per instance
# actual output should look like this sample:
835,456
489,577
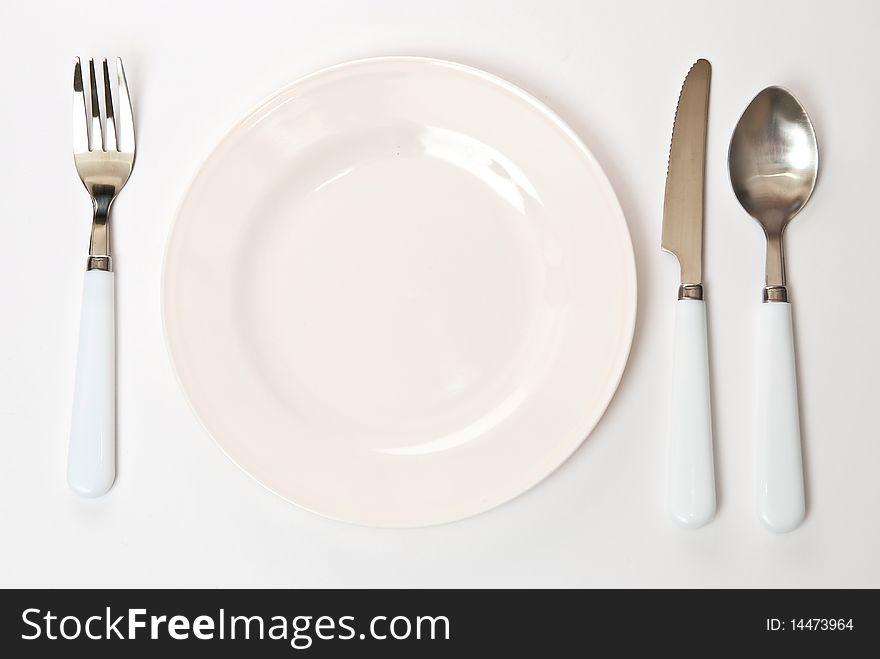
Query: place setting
401,291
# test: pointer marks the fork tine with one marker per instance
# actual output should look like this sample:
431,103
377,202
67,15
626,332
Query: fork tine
95,132
80,112
109,118
125,124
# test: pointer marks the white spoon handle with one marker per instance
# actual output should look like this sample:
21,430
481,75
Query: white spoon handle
92,454
691,478
780,468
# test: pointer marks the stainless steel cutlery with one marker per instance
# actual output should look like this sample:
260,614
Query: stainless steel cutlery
773,163
773,166
691,477
103,151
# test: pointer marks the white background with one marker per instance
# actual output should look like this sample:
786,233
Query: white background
181,514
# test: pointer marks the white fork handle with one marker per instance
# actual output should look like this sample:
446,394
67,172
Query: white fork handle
691,484
91,460
780,468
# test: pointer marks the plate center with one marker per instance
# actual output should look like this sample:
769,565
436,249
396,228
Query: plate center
400,298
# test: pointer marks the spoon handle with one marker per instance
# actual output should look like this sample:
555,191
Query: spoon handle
691,477
780,468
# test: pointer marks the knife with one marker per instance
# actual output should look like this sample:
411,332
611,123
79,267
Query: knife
691,469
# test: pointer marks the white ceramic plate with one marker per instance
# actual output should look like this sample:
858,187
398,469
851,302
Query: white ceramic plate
400,292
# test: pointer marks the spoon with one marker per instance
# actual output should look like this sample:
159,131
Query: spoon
773,163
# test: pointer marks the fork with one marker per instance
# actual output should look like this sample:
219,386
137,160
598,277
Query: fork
103,150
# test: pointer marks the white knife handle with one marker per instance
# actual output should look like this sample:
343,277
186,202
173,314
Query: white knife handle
691,484
91,460
780,469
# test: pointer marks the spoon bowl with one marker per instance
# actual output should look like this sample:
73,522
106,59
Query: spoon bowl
773,164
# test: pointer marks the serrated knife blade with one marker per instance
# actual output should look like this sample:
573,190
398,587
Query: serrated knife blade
683,203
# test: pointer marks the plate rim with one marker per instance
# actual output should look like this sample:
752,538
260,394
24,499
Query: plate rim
536,103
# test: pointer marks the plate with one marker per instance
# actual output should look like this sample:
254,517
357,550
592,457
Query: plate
400,292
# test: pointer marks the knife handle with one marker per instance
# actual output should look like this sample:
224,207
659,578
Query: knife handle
691,484
91,459
780,467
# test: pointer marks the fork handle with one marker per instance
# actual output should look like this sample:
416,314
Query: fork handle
91,460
